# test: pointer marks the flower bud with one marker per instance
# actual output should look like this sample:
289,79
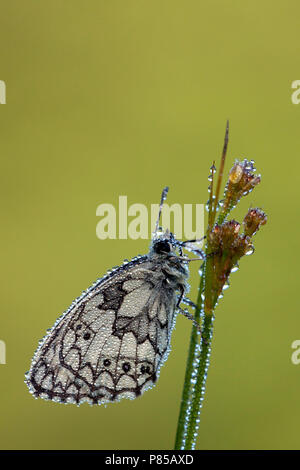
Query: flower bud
241,181
253,220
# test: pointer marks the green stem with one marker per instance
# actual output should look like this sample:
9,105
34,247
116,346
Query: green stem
199,351
188,385
197,365
224,213
199,388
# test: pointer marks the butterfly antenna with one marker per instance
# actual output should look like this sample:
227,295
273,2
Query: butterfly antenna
162,200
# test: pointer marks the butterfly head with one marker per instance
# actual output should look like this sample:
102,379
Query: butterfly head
164,244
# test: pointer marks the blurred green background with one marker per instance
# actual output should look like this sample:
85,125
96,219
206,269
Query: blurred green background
121,98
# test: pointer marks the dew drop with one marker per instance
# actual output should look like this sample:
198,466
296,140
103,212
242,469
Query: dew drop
250,251
234,269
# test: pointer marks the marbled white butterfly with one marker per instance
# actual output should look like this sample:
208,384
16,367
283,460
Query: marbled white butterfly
113,339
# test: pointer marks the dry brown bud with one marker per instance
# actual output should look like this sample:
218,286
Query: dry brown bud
253,220
227,246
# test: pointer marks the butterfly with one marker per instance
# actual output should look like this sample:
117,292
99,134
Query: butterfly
113,339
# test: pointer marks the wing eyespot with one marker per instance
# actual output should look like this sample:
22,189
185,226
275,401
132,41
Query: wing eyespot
145,369
126,367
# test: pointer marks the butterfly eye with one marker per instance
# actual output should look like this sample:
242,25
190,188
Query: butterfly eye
162,246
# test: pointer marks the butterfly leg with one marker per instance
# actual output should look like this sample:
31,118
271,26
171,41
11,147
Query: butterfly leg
185,300
188,315
189,302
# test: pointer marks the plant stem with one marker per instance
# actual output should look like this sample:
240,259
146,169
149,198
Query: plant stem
199,388
188,380
224,247
195,376
200,348
221,170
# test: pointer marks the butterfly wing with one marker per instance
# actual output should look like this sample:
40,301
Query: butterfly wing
111,342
